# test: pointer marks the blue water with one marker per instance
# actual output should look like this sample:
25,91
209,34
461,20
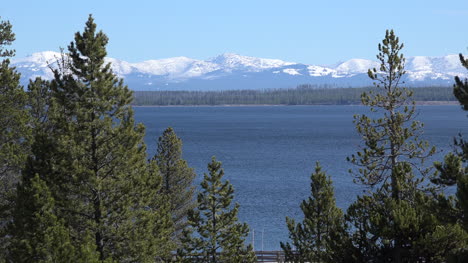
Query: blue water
269,152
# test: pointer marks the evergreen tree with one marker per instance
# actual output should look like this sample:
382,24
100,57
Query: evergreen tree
177,178
14,133
39,99
218,237
6,39
460,89
394,213
453,171
93,158
321,236
38,235
459,175
14,130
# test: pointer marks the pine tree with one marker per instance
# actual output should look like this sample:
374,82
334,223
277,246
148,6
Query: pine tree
177,178
218,237
460,91
453,171
87,253
14,118
93,158
6,39
391,149
38,235
321,236
39,99
14,130
161,224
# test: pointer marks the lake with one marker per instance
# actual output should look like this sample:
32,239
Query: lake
269,152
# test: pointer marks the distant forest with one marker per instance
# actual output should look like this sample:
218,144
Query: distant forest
302,95
77,184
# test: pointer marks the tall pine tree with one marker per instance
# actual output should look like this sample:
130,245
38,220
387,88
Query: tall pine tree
389,219
39,99
460,91
214,233
177,178
454,172
14,130
93,158
321,236
38,234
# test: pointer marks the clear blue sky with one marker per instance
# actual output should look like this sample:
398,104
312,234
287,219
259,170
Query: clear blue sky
307,31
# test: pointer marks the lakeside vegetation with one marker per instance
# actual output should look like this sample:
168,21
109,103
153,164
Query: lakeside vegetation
76,184
302,95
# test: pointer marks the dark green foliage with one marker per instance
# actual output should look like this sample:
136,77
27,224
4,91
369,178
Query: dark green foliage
393,221
215,235
391,141
14,131
38,235
462,197
160,223
91,154
302,95
443,243
460,89
359,216
449,170
6,39
39,99
177,178
87,253
381,219
321,236
394,137
453,210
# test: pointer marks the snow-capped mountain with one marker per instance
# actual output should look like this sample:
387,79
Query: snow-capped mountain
232,71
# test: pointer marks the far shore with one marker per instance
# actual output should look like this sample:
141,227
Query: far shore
419,103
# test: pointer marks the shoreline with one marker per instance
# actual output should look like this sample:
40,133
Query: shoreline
418,103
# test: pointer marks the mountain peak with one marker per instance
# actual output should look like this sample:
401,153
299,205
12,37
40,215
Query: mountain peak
234,71
236,61
228,58
356,66
43,58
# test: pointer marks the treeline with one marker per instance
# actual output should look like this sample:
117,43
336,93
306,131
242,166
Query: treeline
302,95
76,184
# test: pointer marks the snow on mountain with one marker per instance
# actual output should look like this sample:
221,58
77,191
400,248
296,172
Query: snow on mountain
420,68
356,66
36,65
231,71
230,61
40,59
291,71
420,63
318,71
169,66
120,67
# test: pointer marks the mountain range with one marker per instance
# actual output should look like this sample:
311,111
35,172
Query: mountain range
232,71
